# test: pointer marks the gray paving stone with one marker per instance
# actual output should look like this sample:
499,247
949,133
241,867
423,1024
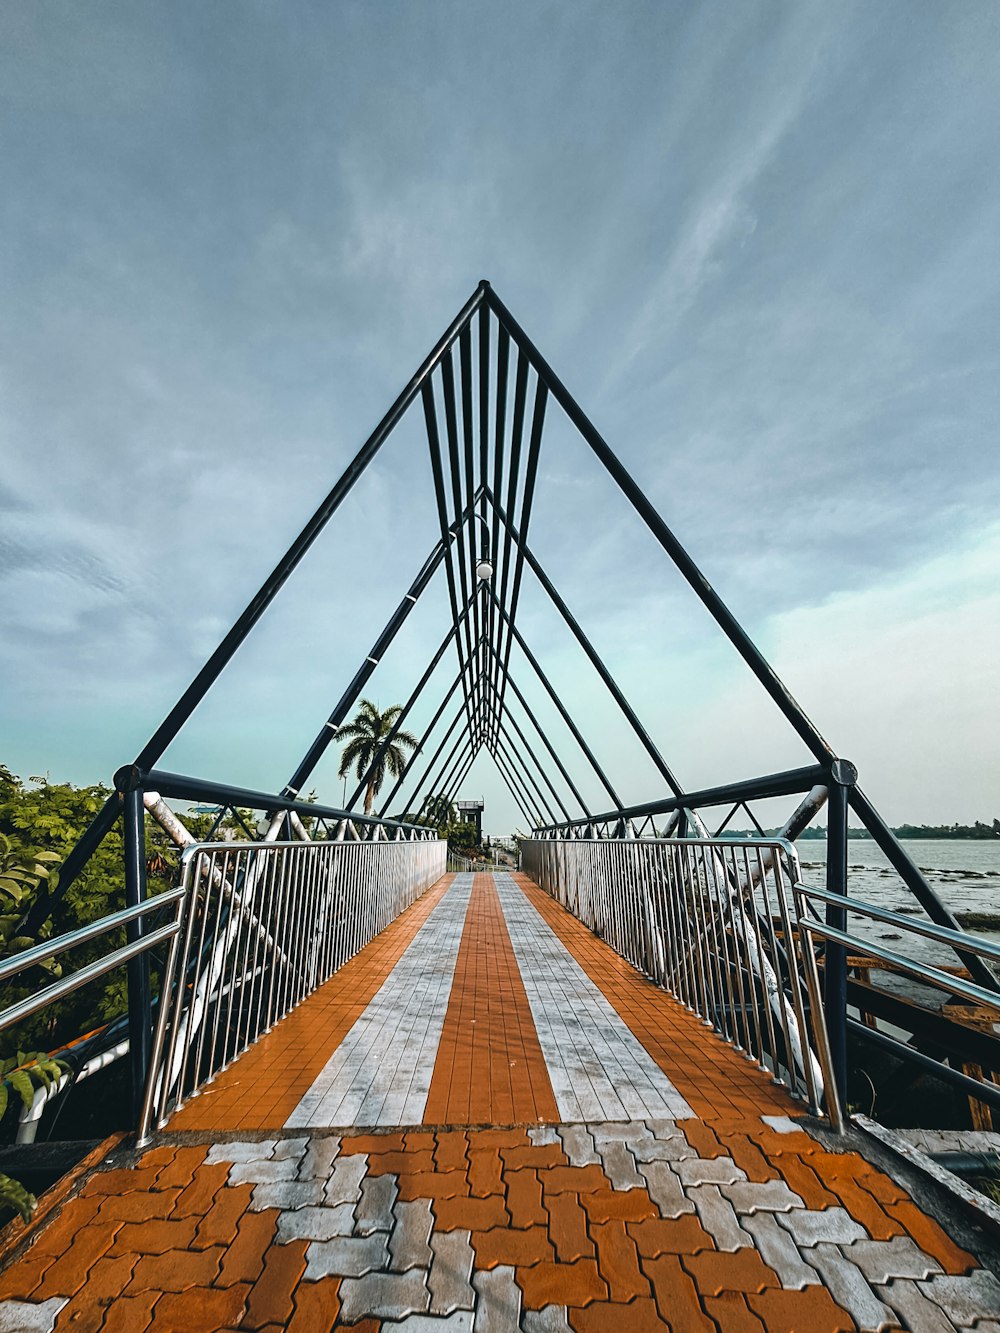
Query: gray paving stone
619,1166
32,1317
771,1196
578,1145
240,1151
374,1212
550,1319
665,1190
290,1148
846,1284
344,1182
261,1172
809,1226
781,1124
542,1135
778,1251
286,1194
914,1308
383,1296
663,1150
664,1129
459,1322
709,1171
883,1260
612,1131
320,1157
450,1278
498,1309
408,1245
718,1217
965,1299
316,1223
346,1256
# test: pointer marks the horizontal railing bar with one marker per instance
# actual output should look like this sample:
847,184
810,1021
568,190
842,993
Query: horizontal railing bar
959,939
192,789
31,1004
983,1092
788,783
49,948
932,975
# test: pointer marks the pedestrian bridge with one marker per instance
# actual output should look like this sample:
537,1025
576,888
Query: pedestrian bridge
375,1087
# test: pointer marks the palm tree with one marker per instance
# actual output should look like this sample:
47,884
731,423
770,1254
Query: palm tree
439,811
365,736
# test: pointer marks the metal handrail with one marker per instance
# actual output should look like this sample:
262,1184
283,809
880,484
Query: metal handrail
698,917
266,924
49,948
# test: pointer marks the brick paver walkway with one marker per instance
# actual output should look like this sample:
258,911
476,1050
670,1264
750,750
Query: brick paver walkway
732,1214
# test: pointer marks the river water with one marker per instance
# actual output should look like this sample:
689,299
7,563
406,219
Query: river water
965,874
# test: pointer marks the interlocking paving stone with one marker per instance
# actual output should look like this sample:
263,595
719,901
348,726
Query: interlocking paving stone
781,1124
384,1296
287,1194
316,1223
598,1068
809,1227
320,1157
718,1217
239,1151
381,1072
378,1197
543,1134
450,1277
262,1172
714,1171
25,1317
346,1256
665,1189
498,1309
550,1319
292,1147
458,1322
770,1196
578,1145
848,1287
919,1313
409,1242
883,1260
344,1182
619,1166
965,1299
779,1252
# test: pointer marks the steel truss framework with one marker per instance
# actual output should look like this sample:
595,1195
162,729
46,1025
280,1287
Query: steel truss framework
485,393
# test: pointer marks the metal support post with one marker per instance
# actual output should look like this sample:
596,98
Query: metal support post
140,1003
835,970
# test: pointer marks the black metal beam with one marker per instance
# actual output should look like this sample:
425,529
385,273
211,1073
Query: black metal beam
553,753
437,472
512,752
723,617
329,729
527,804
423,741
560,706
789,783
397,726
612,686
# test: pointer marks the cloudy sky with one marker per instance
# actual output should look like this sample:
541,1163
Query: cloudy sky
758,241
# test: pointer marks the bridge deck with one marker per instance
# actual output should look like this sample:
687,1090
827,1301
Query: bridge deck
487,1120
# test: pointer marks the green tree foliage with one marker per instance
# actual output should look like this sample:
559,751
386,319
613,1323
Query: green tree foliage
365,735
439,812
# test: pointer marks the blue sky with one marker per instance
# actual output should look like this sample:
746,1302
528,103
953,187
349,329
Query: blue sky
757,241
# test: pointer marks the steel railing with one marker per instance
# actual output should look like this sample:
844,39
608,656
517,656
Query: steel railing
265,925
713,922
945,982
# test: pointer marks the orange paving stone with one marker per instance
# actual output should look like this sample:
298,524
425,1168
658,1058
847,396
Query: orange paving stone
489,1068
264,1086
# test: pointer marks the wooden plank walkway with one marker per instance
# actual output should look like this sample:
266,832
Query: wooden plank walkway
489,1121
